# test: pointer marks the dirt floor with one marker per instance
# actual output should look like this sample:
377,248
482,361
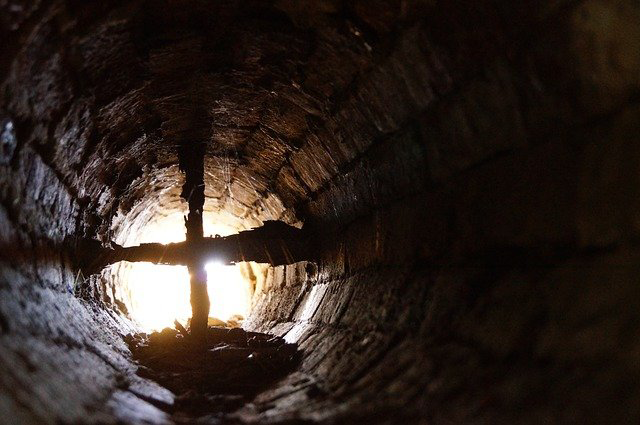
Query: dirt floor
212,378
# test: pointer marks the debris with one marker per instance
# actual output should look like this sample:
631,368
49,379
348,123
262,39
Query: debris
214,321
216,377
180,328
8,141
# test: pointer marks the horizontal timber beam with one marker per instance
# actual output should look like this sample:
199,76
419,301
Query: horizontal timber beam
275,243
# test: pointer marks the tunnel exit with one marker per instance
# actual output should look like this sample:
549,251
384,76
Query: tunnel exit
157,295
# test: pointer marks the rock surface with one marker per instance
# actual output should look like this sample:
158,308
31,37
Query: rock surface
472,169
212,379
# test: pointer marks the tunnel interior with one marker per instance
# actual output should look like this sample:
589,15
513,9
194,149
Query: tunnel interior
466,175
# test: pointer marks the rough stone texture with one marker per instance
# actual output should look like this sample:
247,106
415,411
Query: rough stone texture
471,169
63,359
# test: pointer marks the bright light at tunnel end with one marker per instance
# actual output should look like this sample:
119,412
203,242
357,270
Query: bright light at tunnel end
160,294
214,266
229,292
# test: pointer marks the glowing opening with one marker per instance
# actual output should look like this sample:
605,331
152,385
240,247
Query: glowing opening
157,295
228,290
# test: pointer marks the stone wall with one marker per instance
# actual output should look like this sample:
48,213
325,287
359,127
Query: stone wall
62,358
470,171
480,260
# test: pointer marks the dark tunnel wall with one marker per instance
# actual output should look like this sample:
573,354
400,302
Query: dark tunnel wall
471,169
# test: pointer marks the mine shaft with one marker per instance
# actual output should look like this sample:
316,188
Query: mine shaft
319,212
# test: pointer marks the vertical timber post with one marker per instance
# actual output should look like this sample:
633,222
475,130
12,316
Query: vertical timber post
192,164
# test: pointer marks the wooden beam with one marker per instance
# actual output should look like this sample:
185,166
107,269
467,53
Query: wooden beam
275,243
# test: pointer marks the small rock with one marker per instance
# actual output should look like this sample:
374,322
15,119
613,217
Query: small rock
8,141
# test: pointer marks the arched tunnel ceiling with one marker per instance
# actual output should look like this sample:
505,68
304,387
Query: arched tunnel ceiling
260,83
291,98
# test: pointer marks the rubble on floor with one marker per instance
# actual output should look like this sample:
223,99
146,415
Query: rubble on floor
214,377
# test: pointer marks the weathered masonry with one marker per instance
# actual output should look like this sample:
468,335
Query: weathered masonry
459,180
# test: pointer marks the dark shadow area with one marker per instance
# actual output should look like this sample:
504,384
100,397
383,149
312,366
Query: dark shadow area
214,378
